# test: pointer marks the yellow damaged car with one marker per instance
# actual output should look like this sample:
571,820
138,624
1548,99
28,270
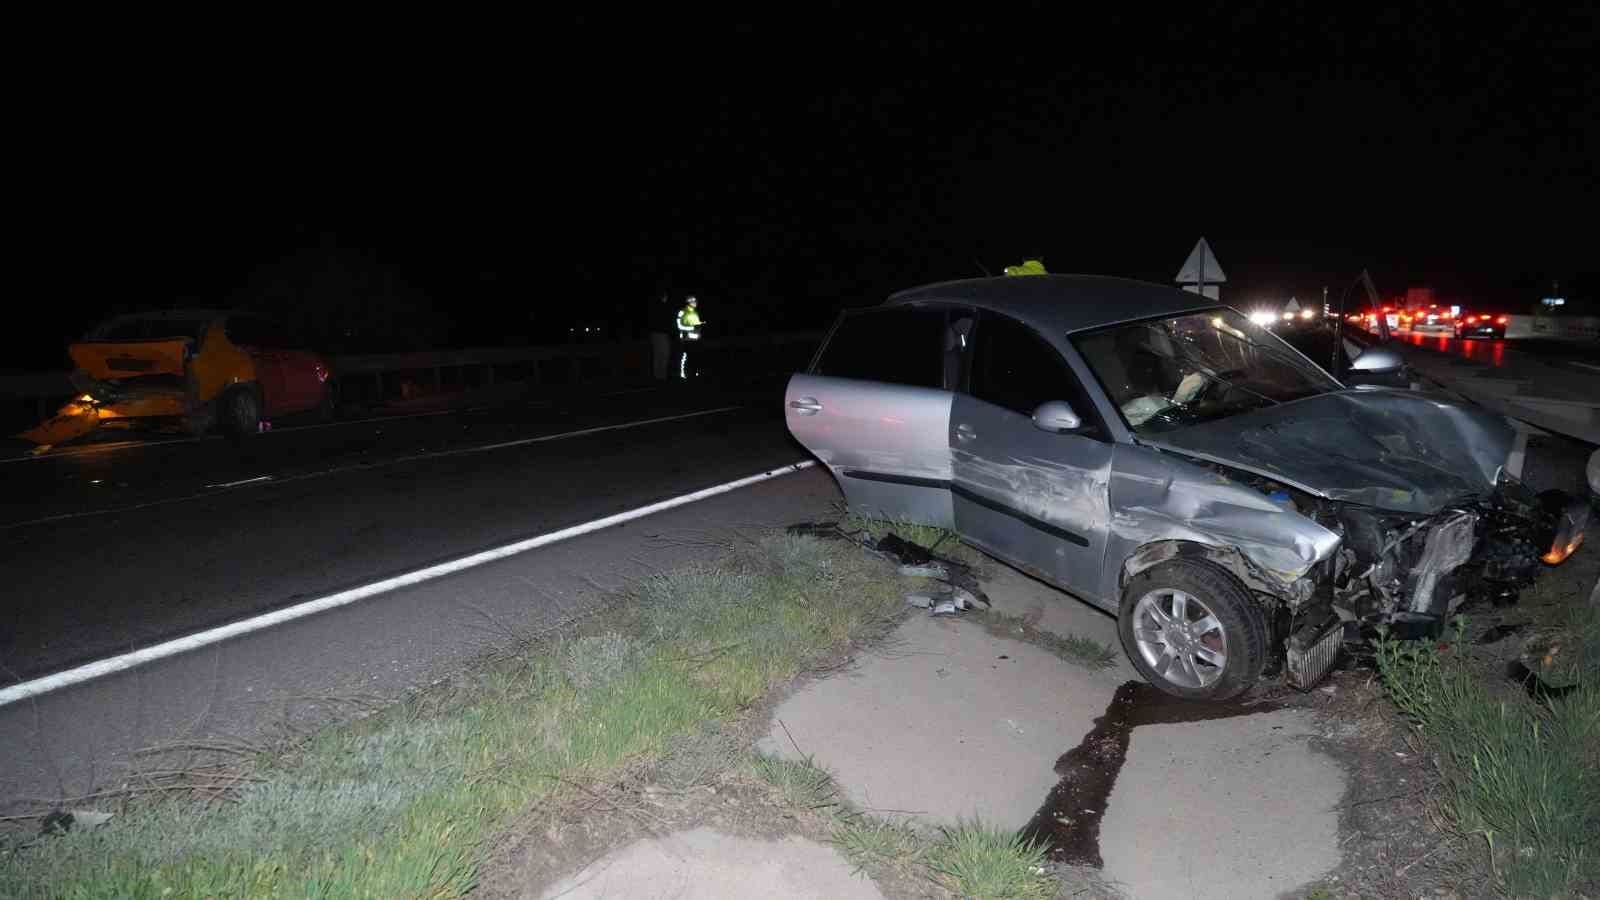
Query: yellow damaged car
188,369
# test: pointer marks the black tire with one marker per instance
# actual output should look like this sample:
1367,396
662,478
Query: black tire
241,413
1238,636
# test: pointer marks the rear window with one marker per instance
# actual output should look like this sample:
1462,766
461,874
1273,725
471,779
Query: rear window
897,346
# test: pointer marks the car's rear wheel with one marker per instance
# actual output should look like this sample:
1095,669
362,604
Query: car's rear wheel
241,413
1192,630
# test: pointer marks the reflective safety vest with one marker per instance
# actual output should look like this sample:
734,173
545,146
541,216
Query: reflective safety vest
689,323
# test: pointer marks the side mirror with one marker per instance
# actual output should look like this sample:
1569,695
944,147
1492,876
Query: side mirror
1056,416
1377,359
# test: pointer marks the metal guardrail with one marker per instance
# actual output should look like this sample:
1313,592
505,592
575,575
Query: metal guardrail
554,363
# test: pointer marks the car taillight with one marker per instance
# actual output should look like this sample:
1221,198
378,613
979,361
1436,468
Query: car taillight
1500,321
1472,318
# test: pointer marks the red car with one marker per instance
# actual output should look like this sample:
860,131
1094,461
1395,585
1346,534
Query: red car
193,369
1481,324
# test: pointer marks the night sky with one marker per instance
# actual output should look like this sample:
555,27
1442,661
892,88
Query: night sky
487,182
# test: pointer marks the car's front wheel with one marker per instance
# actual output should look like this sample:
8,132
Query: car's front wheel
1192,630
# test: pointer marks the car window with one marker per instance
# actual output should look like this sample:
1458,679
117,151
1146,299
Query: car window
1173,372
1014,368
899,346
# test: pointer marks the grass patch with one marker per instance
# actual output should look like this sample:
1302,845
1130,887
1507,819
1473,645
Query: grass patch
800,784
969,860
1522,774
401,804
868,842
942,541
974,860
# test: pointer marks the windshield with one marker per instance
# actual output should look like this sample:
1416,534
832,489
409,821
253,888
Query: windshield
1165,374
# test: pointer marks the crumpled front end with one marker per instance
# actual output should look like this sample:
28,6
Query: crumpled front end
1327,569
1408,572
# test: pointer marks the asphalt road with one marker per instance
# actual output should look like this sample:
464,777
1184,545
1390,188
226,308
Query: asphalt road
110,549
1576,355
117,547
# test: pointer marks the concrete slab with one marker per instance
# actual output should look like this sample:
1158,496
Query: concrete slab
1229,808
1016,594
939,726
705,863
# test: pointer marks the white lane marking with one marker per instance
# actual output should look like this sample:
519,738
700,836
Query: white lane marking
1590,366
366,467
110,665
568,434
229,484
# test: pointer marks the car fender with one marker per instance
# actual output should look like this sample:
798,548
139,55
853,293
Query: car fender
1230,559
1163,505
219,365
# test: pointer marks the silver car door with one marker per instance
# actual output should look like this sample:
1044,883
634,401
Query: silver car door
1032,497
875,411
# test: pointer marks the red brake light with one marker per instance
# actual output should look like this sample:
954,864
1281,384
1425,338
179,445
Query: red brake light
1500,321
1472,318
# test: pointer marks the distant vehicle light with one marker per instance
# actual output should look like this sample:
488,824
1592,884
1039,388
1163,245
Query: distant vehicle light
1305,313
1500,321
1471,319
1262,318
1288,316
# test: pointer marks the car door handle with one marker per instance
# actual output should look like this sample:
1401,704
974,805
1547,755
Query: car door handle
806,406
965,433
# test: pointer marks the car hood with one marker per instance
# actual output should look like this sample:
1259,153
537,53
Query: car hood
1406,451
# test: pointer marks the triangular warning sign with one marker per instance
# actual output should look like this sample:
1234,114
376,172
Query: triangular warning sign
1201,266
1292,306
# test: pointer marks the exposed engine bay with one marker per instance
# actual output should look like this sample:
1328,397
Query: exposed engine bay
1409,572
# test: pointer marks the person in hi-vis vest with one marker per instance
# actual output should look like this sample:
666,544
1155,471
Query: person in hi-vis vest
689,323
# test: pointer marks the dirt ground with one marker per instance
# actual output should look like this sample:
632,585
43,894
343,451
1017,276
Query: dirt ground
1393,841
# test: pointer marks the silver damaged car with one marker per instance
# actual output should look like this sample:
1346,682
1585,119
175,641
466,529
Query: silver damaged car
1237,508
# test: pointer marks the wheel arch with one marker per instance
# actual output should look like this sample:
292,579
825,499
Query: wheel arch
1149,555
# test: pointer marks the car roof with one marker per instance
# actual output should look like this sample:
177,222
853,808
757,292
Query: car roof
1061,304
